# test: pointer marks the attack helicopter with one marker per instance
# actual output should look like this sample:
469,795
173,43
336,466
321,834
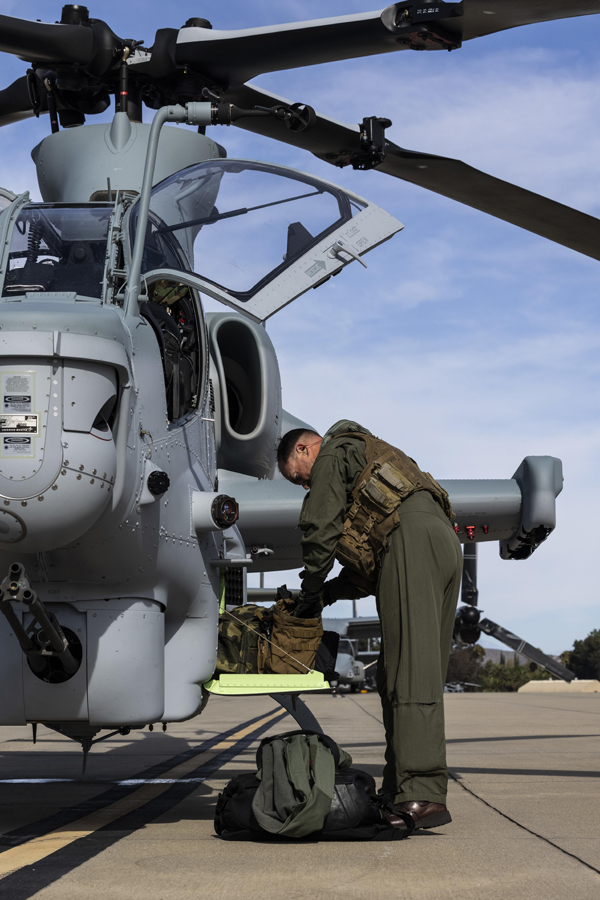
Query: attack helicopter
138,435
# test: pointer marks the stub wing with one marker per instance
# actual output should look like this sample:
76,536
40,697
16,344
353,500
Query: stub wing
519,512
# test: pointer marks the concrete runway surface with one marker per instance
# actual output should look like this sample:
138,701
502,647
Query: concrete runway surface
525,798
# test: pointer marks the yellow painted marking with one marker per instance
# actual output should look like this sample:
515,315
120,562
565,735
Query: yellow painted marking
40,847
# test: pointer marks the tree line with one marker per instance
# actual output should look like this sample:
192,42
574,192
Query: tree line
467,668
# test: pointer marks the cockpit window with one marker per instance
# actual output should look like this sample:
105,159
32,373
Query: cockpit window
345,646
238,224
58,248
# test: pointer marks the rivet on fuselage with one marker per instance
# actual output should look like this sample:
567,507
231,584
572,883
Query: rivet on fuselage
41,497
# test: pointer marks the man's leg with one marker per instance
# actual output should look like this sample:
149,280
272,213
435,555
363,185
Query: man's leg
389,770
418,591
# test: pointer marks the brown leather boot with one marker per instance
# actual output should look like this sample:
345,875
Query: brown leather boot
426,814
423,813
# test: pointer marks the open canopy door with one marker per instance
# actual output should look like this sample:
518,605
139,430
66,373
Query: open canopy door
255,235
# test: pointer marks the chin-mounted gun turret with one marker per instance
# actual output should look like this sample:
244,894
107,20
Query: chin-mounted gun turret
53,653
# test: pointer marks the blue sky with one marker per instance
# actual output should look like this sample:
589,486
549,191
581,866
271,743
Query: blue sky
467,342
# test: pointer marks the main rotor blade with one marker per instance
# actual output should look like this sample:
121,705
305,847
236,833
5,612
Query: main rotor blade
234,57
459,181
482,17
525,649
15,103
46,43
338,143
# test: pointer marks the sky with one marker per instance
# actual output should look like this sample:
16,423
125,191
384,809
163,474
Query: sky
467,342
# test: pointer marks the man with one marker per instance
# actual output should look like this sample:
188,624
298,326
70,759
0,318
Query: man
389,524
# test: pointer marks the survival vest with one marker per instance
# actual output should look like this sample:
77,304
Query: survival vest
389,477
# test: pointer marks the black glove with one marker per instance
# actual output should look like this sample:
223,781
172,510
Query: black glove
309,605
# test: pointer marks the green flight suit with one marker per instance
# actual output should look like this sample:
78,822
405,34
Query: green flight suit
417,591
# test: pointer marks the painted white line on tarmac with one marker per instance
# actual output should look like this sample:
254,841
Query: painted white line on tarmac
126,782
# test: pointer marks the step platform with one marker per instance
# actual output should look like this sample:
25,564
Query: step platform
235,685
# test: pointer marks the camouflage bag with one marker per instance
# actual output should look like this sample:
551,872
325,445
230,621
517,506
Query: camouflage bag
242,637
293,642
254,640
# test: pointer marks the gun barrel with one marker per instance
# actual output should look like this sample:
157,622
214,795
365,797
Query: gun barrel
52,629
37,663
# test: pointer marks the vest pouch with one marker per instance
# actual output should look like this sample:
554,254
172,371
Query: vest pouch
386,489
294,643
392,477
355,552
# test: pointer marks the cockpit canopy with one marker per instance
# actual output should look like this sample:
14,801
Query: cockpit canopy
238,224
55,247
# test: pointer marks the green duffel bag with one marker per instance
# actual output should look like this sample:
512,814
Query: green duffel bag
243,635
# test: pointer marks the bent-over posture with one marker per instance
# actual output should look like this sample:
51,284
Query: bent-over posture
389,524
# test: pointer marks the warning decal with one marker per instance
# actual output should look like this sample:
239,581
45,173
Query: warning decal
19,424
17,392
17,445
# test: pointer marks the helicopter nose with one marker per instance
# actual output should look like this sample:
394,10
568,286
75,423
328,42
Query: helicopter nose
57,453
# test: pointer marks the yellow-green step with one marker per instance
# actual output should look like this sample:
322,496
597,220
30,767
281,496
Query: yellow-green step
267,684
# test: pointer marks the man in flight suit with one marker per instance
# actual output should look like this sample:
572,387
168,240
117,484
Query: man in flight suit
414,569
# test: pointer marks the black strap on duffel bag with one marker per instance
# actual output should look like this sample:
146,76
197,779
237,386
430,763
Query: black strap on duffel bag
298,793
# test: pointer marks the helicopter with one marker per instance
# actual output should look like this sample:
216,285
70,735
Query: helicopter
138,482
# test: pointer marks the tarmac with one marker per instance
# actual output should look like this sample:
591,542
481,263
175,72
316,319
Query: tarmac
524,796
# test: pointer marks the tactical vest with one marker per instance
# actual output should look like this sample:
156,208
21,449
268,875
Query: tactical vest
389,477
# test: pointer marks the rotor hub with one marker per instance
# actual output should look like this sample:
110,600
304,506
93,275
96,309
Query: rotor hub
74,14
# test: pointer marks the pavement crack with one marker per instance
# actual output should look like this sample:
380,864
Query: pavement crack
365,711
524,827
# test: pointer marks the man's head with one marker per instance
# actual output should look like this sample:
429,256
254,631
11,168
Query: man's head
296,454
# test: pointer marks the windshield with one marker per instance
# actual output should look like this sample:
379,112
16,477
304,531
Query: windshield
345,646
58,248
238,224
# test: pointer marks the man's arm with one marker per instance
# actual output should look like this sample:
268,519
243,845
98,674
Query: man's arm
348,585
322,519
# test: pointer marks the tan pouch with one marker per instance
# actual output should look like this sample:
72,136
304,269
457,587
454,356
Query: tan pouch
294,643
